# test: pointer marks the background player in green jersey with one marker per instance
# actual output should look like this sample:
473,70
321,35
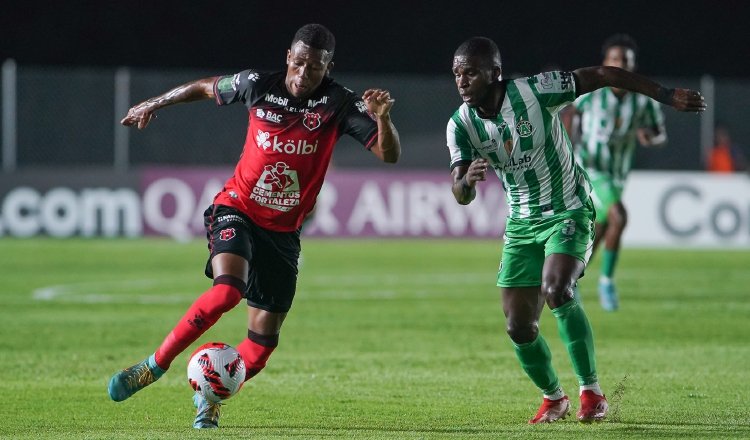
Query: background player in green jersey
611,121
513,127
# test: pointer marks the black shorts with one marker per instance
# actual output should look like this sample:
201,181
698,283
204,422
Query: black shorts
273,256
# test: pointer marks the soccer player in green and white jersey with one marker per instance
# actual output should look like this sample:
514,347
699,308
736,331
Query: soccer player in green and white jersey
512,126
611,120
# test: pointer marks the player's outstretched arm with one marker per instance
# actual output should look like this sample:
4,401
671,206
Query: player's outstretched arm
379,104
465,180
592,78
140,115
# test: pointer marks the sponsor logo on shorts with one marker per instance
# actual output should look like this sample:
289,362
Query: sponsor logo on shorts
227,234
230,218
569,227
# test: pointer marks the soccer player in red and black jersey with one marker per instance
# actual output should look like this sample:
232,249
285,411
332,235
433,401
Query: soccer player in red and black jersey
253,226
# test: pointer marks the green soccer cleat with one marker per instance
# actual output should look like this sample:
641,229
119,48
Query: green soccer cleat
207,413
130,380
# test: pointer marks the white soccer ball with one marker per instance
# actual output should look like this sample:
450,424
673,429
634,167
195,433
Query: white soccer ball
216,371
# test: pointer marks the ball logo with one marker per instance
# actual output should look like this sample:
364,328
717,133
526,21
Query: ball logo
233,367
227,234
311,120
213,377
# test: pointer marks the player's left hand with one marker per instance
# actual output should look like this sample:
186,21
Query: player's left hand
645,135
379,102
686,100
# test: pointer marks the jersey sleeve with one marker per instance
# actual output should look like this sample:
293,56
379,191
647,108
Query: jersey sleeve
459,145
554,90
238,87
582,102
358,123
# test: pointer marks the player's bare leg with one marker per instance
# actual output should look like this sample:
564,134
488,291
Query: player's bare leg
617,219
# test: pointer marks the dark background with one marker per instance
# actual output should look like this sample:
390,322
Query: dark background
677,38
68,52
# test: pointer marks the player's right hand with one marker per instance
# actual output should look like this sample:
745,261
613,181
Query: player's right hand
139,115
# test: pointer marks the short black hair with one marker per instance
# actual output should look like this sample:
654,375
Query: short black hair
316,36
481,47
622,40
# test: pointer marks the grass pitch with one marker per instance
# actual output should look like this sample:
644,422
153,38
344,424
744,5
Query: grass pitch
387,339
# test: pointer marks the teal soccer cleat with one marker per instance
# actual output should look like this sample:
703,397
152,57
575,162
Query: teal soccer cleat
207,414
608,295
130,380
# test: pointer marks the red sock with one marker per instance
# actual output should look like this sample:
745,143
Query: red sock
256,350
205,311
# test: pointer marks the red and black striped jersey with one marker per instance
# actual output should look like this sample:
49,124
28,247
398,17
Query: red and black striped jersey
289,144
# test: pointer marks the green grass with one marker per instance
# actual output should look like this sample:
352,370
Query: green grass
387,339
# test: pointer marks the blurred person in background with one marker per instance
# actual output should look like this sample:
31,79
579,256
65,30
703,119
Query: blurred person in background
606,126
253,227
513,128
725,155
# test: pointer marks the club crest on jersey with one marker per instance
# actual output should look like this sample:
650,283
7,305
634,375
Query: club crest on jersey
253,76
524,128
311,120
227,234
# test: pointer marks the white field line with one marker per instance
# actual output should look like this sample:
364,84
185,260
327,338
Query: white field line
316,287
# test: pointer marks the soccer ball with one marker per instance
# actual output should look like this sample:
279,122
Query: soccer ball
216,371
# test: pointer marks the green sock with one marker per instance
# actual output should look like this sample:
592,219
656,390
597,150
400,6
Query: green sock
575,332
609,260
536,361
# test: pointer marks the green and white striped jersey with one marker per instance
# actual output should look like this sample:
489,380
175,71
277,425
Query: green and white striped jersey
608,130
527,146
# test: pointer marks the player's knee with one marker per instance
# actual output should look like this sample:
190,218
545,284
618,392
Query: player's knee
226,292
522,333
619,218
556,292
